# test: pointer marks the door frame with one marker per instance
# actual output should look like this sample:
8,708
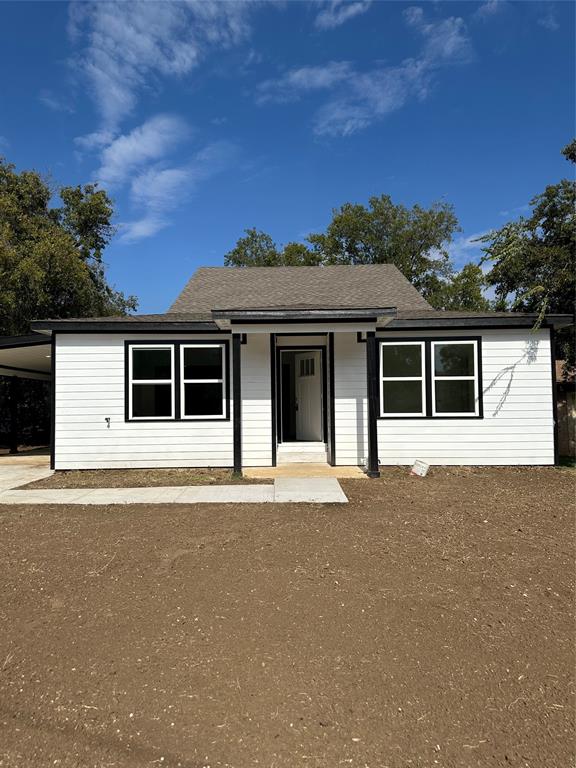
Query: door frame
324,384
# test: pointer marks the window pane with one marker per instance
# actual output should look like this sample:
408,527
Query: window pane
454,359
203,400
152,400
203,363
401,360
402,397
454,397
151,364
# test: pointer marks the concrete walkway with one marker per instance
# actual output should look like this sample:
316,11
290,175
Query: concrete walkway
23,469
309,490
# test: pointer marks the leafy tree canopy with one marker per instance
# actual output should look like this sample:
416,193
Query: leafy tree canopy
415,239
533,260
51,257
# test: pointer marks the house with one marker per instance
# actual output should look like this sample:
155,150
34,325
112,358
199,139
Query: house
261,366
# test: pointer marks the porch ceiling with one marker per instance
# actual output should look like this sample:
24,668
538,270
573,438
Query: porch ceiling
27,357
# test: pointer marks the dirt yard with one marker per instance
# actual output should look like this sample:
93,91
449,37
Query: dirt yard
427,624
137,478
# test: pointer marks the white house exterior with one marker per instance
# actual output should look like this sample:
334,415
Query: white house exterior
258,366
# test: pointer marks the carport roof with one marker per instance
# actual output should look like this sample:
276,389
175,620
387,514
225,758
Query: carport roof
26,357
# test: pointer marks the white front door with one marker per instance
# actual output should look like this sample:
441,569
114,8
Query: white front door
308,395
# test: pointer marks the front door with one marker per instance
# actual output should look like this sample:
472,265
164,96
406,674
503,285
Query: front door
308,390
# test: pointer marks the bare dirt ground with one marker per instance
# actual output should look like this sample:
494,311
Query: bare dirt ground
428,623
137,478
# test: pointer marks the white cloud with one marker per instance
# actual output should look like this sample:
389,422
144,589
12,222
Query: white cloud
549,21
125,45
338,12
4,143
55,103
150,142
159,191
489,9
360,98
464,249
297,81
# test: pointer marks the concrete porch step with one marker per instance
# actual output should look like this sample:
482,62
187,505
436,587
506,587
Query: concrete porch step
301,452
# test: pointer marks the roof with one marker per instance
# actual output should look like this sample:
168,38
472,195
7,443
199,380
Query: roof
333,287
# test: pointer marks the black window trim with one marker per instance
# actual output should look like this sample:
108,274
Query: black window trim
175,344
429,378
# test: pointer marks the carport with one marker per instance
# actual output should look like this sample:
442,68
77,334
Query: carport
22,357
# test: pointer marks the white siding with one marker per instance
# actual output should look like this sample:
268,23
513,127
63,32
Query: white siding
256,402
517,427
90,387
350,402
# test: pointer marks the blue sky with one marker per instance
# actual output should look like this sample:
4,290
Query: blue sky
205,118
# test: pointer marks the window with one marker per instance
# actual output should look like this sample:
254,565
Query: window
203,390
454,378
431,378
402,380
307,367
151,382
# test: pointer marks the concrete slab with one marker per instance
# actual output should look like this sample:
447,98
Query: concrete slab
303,470
320,490
317,490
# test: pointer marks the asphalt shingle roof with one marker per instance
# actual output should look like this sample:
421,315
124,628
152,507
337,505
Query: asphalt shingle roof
341,286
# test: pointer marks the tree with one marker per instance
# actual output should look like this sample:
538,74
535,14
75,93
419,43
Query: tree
414,239
465,291
51,257
257,249
534,259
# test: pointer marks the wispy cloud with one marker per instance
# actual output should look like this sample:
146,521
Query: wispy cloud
298,81
549,21
159,191
465,248
151,141
54,102
361,98
338,12
489,9
124,46
4,143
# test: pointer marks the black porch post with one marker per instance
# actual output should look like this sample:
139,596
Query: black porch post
237,402
372,467
13,400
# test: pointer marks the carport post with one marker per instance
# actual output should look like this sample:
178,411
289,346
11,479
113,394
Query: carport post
13,400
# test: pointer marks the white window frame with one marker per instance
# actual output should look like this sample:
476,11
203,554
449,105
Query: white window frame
132,381
421,378
203,417
473,378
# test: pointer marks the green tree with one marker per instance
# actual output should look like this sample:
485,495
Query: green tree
414,239
51,257
257,249
533,260
465,291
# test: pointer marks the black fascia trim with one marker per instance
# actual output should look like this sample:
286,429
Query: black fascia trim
257,315
13,342
21,370
554,396
428,378
300,333
53,402
273,395
304,348
177,404
458,323
237,398
130,327
309,320
331,402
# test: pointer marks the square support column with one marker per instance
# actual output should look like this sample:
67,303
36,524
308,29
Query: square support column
237,401
372,466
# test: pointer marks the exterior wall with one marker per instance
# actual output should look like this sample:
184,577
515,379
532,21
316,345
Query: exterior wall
517,427
90,387
350,400
256,401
